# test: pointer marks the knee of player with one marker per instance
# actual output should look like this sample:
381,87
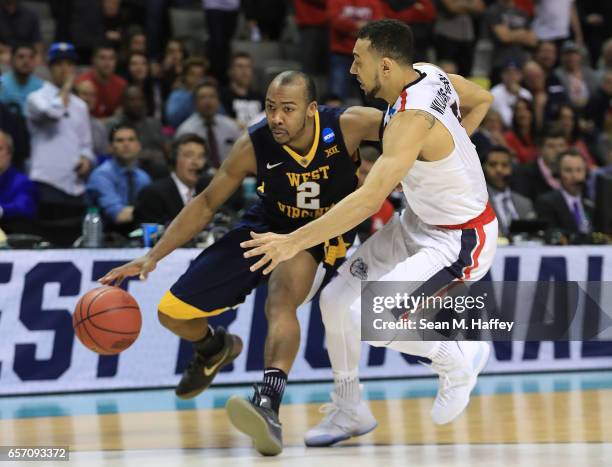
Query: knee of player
280,303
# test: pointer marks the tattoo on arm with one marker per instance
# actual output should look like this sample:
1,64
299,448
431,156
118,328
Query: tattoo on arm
427,116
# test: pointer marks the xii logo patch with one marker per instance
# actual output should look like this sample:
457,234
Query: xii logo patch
331,151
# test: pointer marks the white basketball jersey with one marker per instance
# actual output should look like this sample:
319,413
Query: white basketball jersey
453,190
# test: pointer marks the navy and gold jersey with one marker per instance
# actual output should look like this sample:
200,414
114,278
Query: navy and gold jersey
294,189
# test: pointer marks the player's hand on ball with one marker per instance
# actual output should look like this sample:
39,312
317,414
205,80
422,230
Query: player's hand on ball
275,249
139,267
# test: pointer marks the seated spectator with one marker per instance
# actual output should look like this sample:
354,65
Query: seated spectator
114,186
180,105
489,134
547,99
546,56
161,201
86,90
537,177
506,93
599,108
62,154
369,154
420,16
521,138
19,82
134,41
171,67
12,123
605,169
578,80
17,194
109,86
19,25
138,74
219,131
568,120
152,157
238,98
565,208
509,29
346,17
507,204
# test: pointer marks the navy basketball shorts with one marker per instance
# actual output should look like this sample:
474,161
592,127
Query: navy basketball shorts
219,279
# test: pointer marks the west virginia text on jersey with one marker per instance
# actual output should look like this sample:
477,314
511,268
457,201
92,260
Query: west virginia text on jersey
295,189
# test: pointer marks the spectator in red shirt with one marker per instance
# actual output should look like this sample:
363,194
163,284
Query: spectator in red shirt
109,86
521,138
346,17
420,16
311,20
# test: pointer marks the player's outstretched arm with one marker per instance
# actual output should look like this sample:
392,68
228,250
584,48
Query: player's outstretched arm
403,140
474,100
196,214
360,124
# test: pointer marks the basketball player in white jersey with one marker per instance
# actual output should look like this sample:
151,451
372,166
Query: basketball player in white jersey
447,233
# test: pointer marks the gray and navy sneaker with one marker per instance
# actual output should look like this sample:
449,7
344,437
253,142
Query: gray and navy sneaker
256,419
202,370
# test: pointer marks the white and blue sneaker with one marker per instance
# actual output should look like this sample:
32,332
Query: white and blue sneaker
342,421
458,374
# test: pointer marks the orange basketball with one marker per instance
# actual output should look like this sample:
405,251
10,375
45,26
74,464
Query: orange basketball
107,320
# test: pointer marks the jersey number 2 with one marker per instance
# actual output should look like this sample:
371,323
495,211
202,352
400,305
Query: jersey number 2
307,195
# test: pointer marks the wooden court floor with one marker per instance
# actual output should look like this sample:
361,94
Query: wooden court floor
542,420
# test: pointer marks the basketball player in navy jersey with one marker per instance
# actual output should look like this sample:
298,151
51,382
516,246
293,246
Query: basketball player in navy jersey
303,156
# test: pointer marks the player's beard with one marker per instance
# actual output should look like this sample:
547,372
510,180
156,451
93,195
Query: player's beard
372,93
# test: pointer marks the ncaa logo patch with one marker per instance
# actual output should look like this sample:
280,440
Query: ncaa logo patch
359,269
328,135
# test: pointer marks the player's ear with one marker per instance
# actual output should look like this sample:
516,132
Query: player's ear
312,109
386,66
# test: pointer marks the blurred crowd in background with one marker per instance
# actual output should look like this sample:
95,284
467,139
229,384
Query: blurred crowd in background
131,105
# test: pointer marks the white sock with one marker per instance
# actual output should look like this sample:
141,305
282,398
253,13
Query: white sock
347,385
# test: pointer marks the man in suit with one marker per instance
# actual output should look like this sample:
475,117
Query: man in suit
540,176
161,201
566,209
507,204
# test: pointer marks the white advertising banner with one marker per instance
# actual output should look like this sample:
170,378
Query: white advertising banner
40,353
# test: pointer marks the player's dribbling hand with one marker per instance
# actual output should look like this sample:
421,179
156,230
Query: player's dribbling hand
275,249
139,267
